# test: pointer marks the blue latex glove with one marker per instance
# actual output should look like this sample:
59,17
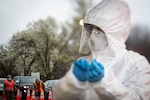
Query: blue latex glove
80,68
96,72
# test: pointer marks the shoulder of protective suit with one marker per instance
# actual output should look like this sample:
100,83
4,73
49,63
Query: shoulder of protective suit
135,57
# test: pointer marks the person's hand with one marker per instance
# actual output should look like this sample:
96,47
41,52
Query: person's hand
84,71
96,72
79,69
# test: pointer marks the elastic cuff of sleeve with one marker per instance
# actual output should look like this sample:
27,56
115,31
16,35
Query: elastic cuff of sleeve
108,78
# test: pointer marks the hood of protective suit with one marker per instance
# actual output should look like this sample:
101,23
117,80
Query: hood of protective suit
113,17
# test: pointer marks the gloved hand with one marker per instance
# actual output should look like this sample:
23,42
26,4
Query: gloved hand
79,69
96,72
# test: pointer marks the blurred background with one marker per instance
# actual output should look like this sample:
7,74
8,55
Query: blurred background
43,36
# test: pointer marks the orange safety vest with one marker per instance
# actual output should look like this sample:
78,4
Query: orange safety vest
39,87
9,85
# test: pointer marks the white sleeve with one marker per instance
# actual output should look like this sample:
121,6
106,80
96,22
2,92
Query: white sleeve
69,88
135,87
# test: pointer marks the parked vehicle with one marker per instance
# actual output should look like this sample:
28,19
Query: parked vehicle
24,82
2,85
50,84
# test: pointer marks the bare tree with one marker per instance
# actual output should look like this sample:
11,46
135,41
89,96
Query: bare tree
46,47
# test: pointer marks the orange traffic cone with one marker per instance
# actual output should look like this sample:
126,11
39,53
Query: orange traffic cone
50,95
42,95
28,94
18,94
33,95
3,96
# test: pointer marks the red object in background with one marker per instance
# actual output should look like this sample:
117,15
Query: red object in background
18,94
50,95
28,94
33,95
3,96
42,95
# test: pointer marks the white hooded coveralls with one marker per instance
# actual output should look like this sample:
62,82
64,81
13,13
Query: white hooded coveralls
127,73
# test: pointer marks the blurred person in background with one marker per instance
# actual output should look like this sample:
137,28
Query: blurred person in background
9,88
38,87
110,72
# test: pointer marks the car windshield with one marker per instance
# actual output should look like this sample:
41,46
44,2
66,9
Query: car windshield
1,81
51,83
27,80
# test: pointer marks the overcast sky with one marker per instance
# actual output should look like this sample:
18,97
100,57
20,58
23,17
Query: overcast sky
16,14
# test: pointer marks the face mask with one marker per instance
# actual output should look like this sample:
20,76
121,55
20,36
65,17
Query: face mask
97,40
9,79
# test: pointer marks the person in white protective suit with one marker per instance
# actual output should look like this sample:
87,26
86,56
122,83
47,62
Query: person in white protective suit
110,72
